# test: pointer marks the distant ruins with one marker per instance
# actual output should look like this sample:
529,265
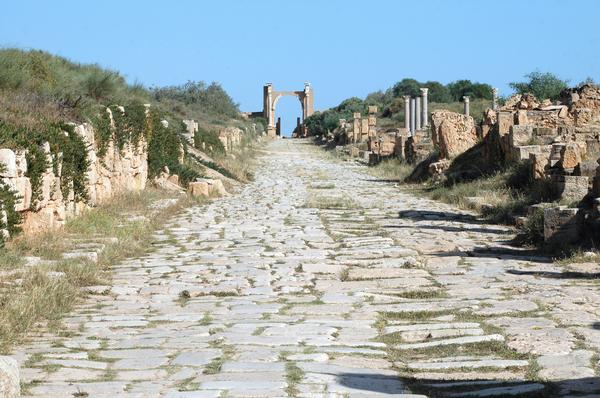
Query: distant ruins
270,99
559,141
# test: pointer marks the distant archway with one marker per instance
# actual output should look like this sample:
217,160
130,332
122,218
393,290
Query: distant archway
270,98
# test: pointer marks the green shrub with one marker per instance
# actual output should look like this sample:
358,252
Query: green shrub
210,139
542,85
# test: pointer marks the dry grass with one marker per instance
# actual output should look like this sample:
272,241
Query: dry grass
241,162
391,169
330,202
49,290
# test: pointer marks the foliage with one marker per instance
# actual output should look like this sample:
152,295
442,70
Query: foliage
209,98
210,139
67,149
542,85
461,88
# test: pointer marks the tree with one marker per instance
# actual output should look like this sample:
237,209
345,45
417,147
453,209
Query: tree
461,88
542,85
407,87
438,92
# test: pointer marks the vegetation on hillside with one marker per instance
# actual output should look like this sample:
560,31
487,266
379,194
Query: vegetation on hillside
40,93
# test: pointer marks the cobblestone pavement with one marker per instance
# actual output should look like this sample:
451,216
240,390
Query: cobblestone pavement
317,280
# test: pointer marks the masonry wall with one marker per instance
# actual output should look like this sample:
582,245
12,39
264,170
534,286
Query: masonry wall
116,171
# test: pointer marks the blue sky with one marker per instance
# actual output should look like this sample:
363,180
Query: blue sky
343,47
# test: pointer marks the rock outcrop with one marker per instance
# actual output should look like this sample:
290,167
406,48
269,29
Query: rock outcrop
453,132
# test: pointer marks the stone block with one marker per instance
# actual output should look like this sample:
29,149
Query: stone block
521,117
540,163
572,188
520,135
570,156
505,120
10,384
198,188
561,224
173,179
372,109
23,188
354,151
8,163
524,152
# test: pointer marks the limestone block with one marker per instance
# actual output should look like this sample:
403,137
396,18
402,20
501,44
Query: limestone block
561,224
364,126
524,152
570,155
173,179
522,118
540,162
520,135
23,188
10,384
21,162
372,109
505,120
571,188
86,132
216,188
8,160
438,168
198,188
455,133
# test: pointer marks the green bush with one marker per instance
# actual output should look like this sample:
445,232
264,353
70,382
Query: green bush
542,85
210,139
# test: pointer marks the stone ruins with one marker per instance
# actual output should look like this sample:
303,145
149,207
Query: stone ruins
560,142
118,170
270,99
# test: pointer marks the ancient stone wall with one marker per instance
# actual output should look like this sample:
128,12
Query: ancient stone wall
230,137
118,170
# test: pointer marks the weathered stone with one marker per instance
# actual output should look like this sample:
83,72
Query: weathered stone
8,163
10,384
198,189
453,132
561,224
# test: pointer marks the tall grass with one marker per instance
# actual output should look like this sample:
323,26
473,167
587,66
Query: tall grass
50,291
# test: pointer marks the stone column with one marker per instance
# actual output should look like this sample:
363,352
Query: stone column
413,119
466,100
407,112
424,108
494,98
418,115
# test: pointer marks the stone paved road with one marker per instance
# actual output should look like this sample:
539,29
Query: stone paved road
319,281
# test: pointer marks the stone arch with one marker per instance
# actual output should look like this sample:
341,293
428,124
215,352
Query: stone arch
270,98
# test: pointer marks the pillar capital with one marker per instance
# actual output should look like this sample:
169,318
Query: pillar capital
424,91
406,97
466,98
495,91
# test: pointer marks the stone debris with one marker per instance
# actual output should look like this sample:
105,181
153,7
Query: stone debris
393,295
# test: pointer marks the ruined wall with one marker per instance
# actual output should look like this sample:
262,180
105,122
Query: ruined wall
116,171
230,137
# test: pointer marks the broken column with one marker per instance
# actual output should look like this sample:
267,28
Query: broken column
407,112
356,127
466,101
425,116
418,115
494,98
413,115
